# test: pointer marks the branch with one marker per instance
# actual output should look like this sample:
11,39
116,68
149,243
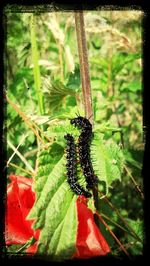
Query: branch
84,66
85,76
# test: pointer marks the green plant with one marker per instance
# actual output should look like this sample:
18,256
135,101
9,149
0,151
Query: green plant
45,91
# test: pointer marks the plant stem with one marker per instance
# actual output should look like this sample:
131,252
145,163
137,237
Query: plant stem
115,223
31,153
119,125
84,66
85,76
30,242
21,169
36,70
113,235
134,182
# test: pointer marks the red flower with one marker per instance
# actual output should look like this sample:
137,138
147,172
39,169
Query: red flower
20,199
90,242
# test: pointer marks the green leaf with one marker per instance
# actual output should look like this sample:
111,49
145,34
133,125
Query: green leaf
58,236
74,81
107,159
120,60
62,244
138,228
133,157
55,211
59,129
46,159
133,86
54,207
55,92
52,184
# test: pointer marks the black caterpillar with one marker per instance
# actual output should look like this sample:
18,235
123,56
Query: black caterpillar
84,143
72,168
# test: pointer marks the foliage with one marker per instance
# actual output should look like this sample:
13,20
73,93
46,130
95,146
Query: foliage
108,160
53,209
48,79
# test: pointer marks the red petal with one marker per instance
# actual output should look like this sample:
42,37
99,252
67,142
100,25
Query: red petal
21,179
90,241
20,199
32,249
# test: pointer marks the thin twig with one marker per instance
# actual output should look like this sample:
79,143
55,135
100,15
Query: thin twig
30,153
127,245
120,216
21,141
113,235
30,242
116,224
42,132
22,169
134,182
25,118
20,156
